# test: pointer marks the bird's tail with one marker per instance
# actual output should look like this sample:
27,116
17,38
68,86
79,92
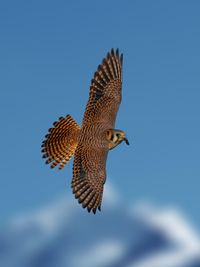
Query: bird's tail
61,141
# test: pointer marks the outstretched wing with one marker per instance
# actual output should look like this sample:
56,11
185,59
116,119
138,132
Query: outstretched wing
89,176
61,141
89,168
105,91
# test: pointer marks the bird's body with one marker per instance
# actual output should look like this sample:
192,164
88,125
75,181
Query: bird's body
91,142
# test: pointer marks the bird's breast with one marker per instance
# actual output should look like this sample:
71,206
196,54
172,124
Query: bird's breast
93,135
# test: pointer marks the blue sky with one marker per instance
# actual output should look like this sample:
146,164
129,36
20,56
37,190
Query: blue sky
49,51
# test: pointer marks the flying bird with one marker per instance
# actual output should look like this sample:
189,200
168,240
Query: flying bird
90,143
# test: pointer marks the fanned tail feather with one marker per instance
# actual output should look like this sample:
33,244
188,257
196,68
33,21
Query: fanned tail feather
61,141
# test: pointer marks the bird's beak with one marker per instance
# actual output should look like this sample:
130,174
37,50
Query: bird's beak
126,141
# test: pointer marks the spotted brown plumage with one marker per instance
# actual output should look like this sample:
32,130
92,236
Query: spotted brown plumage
61,142
91,142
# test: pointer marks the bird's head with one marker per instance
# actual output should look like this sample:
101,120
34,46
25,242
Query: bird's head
116,137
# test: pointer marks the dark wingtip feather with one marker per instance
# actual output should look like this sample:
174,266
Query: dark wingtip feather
94,211
84,205
117,52
108,55
88,209
121,59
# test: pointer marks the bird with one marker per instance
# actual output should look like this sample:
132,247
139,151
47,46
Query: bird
90,142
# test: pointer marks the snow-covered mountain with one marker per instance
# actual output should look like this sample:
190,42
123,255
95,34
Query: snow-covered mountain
64,235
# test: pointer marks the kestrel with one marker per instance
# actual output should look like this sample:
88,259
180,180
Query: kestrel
91,142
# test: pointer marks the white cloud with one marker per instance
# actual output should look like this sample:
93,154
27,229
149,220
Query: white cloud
110,196
177,230
102,254
103,246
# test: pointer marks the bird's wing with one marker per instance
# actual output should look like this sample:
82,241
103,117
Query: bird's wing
89,168
105,91
61,141
89,176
